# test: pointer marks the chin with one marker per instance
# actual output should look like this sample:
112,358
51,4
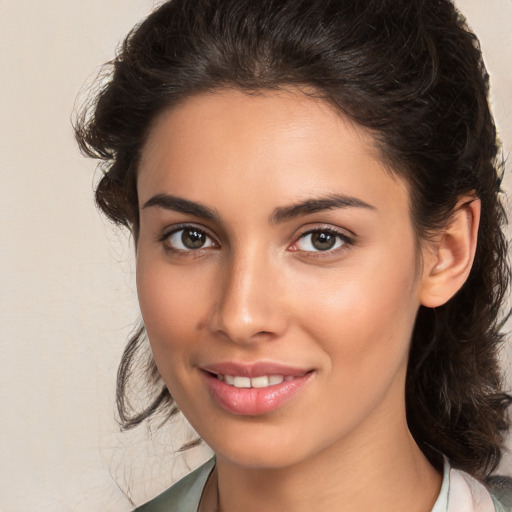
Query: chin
268,448
256,459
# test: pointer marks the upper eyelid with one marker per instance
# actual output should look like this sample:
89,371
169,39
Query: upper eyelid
166,232
342,232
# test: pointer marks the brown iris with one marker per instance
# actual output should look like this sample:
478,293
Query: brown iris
323,240
193,238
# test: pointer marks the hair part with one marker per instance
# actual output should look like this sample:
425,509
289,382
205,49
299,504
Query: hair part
412,73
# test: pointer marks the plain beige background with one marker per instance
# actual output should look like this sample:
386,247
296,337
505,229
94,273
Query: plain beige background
67,284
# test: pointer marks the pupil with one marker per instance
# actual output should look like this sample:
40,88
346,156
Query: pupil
323,241
193,239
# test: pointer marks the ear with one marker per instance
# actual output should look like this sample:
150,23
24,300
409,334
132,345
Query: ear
448,259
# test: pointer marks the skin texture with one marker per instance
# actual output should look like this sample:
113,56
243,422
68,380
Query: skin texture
258,290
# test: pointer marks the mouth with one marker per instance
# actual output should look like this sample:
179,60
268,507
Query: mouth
263,381
253,390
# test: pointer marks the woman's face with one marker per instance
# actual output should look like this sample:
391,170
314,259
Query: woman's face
278,275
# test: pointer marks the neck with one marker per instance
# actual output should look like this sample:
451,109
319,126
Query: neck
383,471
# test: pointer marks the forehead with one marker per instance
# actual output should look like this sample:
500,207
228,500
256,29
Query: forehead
281,146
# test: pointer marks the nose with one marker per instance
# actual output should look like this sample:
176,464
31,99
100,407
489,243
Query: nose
249,306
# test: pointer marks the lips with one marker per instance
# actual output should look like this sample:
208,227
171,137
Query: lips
254,389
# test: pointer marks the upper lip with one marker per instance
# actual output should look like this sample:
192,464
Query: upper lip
256,369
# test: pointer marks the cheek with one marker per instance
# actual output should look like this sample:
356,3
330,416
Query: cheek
363,316
171,304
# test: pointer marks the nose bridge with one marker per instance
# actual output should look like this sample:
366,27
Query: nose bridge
246,306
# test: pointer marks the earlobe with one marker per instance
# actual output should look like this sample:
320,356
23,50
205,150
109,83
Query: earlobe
448,260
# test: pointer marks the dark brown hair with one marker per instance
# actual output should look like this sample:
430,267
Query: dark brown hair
412,73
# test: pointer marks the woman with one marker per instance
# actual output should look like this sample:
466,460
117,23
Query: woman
313,190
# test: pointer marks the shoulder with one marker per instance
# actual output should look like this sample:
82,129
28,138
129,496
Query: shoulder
184,495
467,493
501,489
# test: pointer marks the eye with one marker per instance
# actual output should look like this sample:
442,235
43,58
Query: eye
188,239
321,240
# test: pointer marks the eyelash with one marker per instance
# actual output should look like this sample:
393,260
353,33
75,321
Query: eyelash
345,240
165,238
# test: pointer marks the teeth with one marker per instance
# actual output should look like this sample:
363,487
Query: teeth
259,382
254,382
242,382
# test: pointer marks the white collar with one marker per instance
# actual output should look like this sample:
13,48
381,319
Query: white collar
460,492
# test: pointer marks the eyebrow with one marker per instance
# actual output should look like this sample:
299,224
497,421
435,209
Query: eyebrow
178,204
279,215
314,205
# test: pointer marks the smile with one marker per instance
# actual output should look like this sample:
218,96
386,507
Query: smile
255,382
255,389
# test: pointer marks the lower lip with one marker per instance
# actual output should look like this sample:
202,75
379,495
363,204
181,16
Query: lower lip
254,401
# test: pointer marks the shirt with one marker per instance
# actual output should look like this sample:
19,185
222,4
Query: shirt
460,492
